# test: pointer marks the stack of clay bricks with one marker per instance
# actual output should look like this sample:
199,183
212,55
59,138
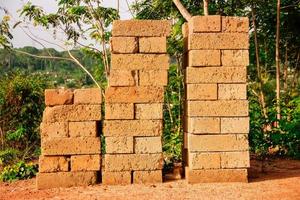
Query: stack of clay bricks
216,107
70,140
134,102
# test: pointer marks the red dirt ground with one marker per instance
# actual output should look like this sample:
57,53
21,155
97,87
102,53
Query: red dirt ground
276,179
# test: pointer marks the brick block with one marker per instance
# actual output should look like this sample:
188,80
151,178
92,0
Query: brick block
149,111
53,164
65,179
141,94
88,96
116,178
54,97
142,177
204,161
235,125
235,24
216,175
199,58
130,128
124,45
83,129
210,23
218,41
139,61
233,58
123,78
56,129
119,145
86,163
147,145
235,160
216,75
128,162
119,111
203,125
220,108
185,30
153,77
202,92
147,28
71,146
232,91
72,113
217,143
153,45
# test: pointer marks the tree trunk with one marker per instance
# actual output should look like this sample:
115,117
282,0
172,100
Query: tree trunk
285,70
205,7
261,94
278,64
182,10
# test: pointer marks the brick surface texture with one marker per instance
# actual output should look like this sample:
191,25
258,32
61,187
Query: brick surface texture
70,138
216,122
134,102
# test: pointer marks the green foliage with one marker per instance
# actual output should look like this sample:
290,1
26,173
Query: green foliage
18,171
8,156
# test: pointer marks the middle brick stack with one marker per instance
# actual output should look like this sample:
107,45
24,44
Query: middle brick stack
134,102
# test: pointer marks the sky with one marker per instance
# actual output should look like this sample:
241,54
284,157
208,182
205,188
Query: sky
21,39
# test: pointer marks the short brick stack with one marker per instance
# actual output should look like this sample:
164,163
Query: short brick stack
134,102
70,140
216,115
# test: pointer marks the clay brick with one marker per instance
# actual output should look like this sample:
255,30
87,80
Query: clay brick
216,75
235,24
202,92
65,179
56,129
55,97
139,61
218,41
119,145
217,143
147,28
153,77
147,145
216,175
204,161
232,91
123,78
87,96
124,45
129,128
72,113
83,129
233,58
86,163
119,111
235,159
53,164
116,178
220,108
198,58
185,30
127,162
141,94
235,125
203,125
71,146
144,177
210,23
153,45
149,111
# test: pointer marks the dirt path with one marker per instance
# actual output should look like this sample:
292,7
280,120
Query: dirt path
281,180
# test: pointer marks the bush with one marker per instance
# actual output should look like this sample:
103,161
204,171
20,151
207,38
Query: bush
19,171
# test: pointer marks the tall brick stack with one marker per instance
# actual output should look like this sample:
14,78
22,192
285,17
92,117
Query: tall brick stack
70,139
216,107
134,102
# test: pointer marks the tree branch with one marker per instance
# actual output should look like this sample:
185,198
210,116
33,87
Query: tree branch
186,15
